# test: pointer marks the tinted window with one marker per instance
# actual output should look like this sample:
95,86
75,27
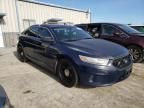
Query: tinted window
32,31
109,30
29,33
94,30
44,32
70,33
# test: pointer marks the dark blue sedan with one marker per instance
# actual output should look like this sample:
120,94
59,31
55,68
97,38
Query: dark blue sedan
74,55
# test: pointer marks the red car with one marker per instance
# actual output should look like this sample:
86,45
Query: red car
119,33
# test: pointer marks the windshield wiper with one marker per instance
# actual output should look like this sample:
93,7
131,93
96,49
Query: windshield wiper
86,38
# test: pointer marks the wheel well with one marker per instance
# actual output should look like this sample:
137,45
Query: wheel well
59,57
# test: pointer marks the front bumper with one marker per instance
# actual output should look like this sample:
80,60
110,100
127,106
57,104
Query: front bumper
102,76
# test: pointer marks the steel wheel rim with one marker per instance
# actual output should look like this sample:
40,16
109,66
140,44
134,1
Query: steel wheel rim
66,74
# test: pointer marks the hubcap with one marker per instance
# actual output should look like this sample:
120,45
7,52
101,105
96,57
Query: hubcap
66,72
135,53
21,53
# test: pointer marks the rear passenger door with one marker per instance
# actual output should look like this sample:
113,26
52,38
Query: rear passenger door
44,49
29,37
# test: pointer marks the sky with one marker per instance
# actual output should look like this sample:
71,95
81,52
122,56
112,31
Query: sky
120,11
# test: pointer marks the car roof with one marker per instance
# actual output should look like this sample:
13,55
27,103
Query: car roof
55,25
99,23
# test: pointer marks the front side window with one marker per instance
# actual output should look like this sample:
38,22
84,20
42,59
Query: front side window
43,32
109,30
69,33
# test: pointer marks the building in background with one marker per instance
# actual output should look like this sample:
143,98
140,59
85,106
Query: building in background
17,15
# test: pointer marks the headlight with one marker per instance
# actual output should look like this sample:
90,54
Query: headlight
91,60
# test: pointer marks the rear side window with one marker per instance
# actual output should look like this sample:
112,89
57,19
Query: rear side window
43,32
32,31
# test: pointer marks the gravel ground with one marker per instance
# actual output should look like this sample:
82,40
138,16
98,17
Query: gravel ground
30,86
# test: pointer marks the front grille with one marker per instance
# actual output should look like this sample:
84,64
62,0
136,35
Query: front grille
122,62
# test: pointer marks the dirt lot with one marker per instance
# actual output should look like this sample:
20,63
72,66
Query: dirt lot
29,86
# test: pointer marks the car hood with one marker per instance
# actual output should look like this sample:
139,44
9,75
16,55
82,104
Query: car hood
98,48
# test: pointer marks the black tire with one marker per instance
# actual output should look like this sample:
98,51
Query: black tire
20,53
136,53
67,73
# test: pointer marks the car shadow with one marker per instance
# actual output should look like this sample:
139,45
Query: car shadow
41,69
49,73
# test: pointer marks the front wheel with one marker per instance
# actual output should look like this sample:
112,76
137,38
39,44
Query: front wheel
67,73
136,53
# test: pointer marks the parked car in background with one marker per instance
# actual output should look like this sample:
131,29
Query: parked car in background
140,28
4,101
74,55
119,33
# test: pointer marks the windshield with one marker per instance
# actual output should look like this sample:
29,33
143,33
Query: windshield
70,33
128,29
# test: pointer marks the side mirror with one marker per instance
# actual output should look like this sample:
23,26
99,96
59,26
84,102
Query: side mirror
47,39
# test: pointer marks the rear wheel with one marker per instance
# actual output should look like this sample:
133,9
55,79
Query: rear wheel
21,55
136,53
67,73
